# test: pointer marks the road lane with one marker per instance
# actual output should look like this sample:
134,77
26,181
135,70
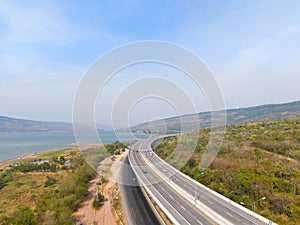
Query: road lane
222,206
136,207
182,210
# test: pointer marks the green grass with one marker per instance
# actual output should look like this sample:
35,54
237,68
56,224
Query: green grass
94,155
50,153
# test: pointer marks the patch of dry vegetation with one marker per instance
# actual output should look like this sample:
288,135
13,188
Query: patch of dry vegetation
47,187
44,189
116,203
255,160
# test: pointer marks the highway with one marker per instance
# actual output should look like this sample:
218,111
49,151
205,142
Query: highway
135,205
182,210
185,199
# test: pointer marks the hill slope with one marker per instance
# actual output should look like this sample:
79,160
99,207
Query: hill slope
8,124
234,116
256,159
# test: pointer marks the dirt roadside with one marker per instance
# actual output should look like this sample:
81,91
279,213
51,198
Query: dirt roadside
86,215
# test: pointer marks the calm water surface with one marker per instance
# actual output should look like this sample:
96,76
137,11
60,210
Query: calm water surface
13,144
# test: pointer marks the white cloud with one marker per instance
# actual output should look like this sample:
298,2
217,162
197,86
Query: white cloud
42,22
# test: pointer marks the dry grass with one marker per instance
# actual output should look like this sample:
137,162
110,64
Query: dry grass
256,159
116,203
24,189
160,212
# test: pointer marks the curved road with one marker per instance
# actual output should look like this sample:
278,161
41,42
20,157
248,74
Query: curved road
136,207
183,211
161,179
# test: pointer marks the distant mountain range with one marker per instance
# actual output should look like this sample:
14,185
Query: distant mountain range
257,113
8,124
234,116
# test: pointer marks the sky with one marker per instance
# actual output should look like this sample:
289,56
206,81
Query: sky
251,47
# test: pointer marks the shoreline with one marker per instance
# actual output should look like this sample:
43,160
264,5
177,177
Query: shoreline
32,155
65,147
15,145
24,155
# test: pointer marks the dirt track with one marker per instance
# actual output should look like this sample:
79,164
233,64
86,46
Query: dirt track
104,216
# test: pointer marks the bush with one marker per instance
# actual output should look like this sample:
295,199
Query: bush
23,216
50,181
255,160
98,201
115,147
60,204
5,177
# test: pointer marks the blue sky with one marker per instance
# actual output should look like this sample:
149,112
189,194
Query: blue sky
252,47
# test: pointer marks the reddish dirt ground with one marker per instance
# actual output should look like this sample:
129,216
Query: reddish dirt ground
104,216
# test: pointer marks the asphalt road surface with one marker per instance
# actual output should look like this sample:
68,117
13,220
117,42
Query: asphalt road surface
136,207
141,157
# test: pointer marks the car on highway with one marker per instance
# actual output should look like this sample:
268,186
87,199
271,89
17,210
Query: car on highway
145,170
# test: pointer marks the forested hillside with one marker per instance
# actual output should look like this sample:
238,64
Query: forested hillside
258,159
234,116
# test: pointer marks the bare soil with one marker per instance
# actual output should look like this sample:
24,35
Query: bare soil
104,216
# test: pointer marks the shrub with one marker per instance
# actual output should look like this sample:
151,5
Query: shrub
50,181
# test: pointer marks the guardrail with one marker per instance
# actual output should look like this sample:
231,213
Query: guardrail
189,197
161,221
161,206
209,212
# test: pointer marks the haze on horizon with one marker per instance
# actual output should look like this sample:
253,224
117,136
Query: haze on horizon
252,47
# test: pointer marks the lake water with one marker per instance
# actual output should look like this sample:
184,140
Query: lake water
13,144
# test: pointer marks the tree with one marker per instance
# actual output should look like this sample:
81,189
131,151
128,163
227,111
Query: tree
98,201
50,181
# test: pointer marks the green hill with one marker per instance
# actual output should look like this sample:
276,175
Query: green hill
256,159
234,116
